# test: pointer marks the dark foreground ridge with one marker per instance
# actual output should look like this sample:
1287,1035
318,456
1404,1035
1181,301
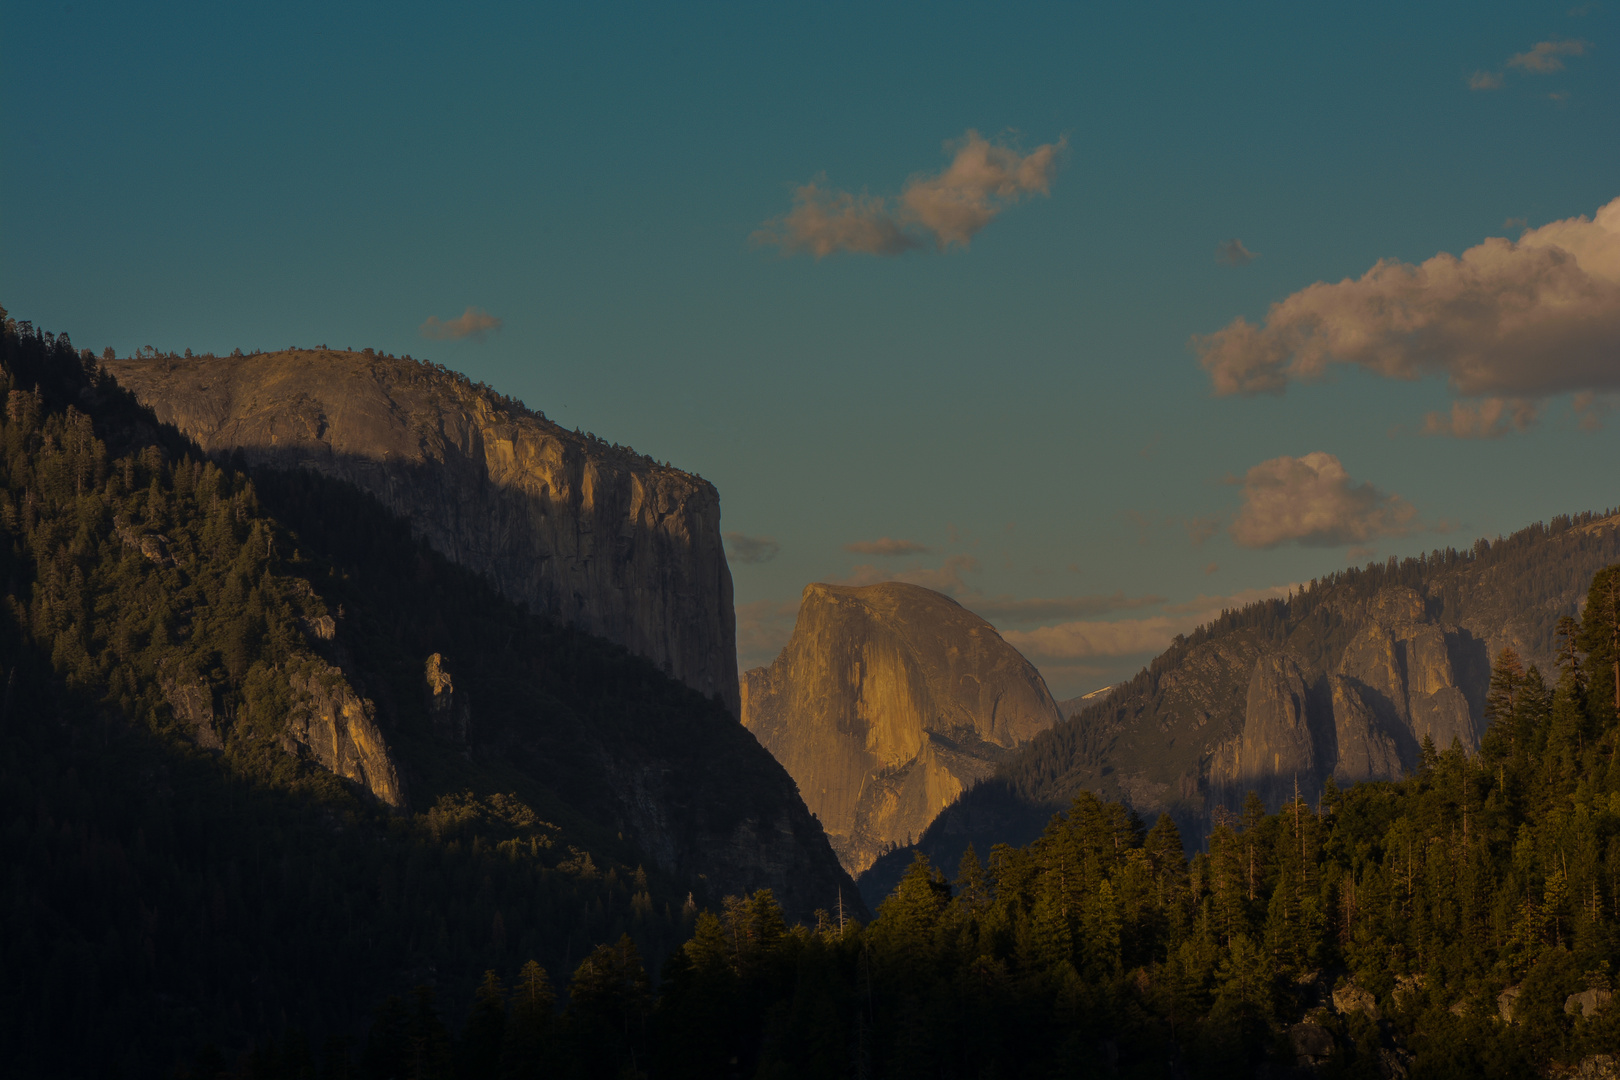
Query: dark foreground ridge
265,757
1464,922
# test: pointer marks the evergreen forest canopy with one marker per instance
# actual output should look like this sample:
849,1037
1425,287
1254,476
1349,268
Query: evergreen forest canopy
175,909
174,880
1464,922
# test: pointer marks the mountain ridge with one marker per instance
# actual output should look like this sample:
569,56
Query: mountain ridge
1172,738
887,702
581,530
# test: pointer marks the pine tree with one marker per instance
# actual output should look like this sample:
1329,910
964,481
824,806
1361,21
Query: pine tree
485,1033
1506,675
527,1034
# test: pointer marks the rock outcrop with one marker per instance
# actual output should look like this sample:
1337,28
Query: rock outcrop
590,533
1277,743
888,701
448,711
1393,687
1388,655
336,728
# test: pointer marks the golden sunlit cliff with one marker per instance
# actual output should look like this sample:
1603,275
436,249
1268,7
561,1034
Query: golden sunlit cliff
589,533
886,704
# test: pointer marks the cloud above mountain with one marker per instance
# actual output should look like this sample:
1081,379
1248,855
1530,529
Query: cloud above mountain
473,323
1510,319
1006,609
742,548
1083,640
886,546
1312,501
946,578
948,208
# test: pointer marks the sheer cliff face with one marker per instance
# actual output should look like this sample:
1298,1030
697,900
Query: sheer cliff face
888,701
1393,686
584,532
1344,680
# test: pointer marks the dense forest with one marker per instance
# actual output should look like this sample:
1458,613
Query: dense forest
192,898
1464,922
178,871
1167,723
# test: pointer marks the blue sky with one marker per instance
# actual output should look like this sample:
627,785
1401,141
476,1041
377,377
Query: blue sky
1028,408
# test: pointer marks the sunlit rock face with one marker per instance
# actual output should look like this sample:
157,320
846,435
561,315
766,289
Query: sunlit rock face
586,532
335,727
1277,742
888,701
1392,687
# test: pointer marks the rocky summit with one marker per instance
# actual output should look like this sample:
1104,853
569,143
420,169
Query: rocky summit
887,703
587,532
1344,679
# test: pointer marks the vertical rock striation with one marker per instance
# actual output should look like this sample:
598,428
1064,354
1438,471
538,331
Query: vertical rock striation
332,725
592,534
1393,687
888,701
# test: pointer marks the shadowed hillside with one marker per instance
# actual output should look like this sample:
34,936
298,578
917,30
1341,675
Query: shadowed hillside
266,757
1345,679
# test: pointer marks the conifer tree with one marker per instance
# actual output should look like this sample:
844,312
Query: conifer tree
482,1038
527,1023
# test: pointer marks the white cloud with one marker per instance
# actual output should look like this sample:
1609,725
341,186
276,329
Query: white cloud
1485,80
1511,319
982,180
1312,501
473,323
949,208
742,548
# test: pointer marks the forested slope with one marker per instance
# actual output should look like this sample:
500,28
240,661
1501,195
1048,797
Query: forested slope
1344,678
264,757
1464,922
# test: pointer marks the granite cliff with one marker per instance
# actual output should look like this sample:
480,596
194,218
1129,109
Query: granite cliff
887,703
590,533
1345,678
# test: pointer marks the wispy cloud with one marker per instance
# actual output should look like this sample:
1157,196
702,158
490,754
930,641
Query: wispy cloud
1545,57
886,546
742,548
1513,319
1233,253
1312,501
983,179
1201,527
1489,418
764,628
946,578
948,208
1006,609
1096,639
473,323
1590,409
